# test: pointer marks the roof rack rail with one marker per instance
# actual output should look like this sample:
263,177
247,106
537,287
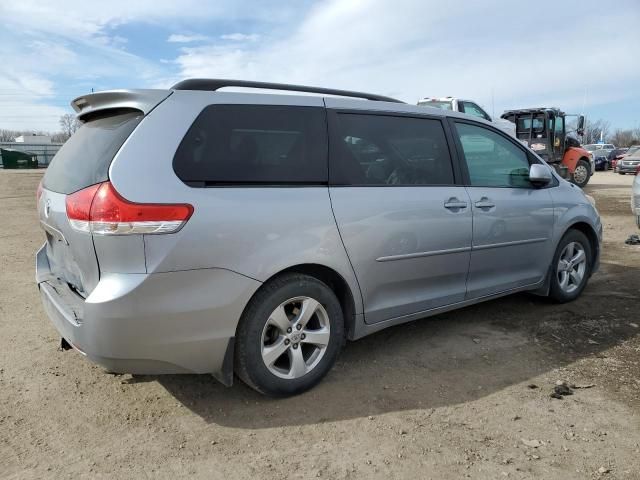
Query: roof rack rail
217,83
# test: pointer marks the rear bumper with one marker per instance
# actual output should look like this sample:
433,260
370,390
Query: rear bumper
174,322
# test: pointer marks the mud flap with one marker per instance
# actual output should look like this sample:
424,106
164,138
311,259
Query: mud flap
225,375
64,345
543,290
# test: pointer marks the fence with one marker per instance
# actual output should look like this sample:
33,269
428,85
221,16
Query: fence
44,151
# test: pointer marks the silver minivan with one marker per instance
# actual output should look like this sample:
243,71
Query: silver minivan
193,230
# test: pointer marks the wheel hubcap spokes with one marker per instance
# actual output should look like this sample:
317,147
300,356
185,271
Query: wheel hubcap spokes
295,337
580,174
571,268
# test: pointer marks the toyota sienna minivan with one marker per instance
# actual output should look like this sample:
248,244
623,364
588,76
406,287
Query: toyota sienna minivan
193,230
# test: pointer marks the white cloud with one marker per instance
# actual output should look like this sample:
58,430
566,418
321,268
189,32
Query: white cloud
241,37
411,49
54,51
179,38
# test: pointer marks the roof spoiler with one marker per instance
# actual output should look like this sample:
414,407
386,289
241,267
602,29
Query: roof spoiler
144,100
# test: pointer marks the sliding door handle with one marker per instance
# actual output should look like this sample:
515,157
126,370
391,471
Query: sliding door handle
484,202
454,204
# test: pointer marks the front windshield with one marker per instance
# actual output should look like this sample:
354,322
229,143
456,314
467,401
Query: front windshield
444,105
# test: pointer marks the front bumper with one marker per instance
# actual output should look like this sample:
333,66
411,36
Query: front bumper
174,322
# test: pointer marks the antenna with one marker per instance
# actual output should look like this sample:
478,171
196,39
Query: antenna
493,106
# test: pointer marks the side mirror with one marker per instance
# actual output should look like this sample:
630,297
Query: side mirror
580,129
539,174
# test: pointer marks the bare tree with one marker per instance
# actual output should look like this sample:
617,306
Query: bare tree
624,138
594,129
69,124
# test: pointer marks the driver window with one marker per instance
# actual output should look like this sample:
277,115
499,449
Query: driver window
492,160
387,150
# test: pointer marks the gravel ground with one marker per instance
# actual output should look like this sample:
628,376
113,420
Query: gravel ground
460,395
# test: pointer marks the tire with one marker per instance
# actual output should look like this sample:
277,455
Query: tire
267,333
560,291
621,173
583,171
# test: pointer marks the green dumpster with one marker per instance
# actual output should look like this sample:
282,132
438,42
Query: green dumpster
16,159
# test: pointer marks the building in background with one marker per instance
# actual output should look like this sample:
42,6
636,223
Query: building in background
39,145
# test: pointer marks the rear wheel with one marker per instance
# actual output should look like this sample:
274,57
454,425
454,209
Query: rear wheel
289,336
571,267
581,173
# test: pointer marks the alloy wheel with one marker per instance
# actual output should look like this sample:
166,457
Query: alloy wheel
295,337
572,266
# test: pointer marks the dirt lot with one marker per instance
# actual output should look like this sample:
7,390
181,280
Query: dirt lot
461,395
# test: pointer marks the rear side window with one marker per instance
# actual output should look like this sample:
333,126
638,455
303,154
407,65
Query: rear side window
85,158
254,144
386,150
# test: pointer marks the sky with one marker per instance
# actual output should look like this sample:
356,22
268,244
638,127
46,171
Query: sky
580,56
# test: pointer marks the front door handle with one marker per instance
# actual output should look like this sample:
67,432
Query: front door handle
484,202
454,204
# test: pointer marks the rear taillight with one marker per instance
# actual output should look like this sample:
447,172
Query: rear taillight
101,210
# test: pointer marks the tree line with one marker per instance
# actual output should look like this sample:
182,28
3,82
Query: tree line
68,125
619,137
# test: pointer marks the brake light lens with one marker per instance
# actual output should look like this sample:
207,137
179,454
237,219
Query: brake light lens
101,210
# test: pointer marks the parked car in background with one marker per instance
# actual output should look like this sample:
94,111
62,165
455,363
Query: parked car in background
470,108
190,230
594,147
635,197
629,162
615,155
601,160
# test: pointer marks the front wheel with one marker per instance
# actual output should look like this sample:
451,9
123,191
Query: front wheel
289,336
581,173
571,267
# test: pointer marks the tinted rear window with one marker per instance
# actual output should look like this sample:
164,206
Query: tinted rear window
387,150
85,158
254,144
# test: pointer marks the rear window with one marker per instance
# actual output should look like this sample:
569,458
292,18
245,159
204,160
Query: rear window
254,144
85,158
523,124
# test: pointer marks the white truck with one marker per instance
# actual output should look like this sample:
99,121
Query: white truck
470,108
